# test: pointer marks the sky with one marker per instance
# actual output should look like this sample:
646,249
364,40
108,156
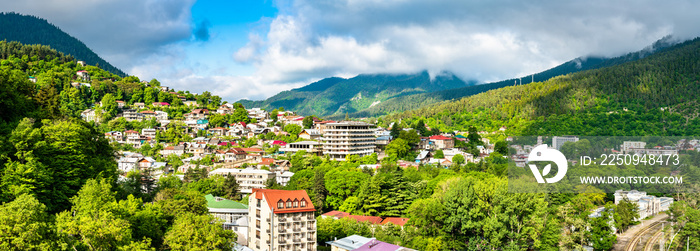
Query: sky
254,49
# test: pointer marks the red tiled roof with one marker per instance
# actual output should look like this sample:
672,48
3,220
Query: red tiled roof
252,150
236,150
149,112
336,214
439,137
267,161
395,220
279,142
370,219
275,196
131,131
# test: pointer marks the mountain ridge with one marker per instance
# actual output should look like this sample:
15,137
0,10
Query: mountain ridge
14,27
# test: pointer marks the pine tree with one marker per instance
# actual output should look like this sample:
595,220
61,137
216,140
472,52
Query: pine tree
319,190
231,188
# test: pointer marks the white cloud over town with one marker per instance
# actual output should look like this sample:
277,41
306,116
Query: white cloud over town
310,40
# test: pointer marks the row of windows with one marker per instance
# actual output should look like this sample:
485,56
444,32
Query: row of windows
291,204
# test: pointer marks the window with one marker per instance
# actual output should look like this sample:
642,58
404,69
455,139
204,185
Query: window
303,202
296,203
289,203
280,204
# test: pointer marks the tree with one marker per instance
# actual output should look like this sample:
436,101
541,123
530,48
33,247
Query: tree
54,160
501,147
308,122
602,235
240,114
395,130
196,232
411,136
458,159
231,188
397,148
473,137
319,190
420,127
273,115
91,224
625,214
150,95
439,154
25,225
292,129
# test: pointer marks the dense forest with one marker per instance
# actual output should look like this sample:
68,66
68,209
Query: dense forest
59,184
33,30
657,95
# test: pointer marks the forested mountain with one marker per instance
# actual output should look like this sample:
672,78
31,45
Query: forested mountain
33,30
656,95
340,96
416,101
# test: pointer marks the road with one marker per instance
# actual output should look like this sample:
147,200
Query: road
641,233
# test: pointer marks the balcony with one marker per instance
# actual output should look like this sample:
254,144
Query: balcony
309,217
310,227
268,220
281,219
296,218
310,238
297,240
268,230
282,230
297,229
281,240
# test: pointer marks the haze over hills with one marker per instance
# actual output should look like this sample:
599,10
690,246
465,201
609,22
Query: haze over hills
340,96
33,30
655,95
329,98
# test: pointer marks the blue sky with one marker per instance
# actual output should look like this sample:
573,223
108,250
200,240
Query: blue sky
255,49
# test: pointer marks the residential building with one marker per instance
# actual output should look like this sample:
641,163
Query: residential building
558,141
130,115
374,245
281,220
348,138
348,243
310,134
120,104
161,115
441,142
139,105
629,145
233,213
248,179
177,150
648,205
283,177
308,146
149,132
88,115
83,75
192,103
147,115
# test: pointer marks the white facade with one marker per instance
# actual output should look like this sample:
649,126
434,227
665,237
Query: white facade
281,220
558,141
648,205
348,138
247,179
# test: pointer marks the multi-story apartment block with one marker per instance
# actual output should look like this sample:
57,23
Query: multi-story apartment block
281,220
558,141
248,179
348,138
647,205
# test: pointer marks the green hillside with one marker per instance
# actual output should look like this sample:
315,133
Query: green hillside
339,96
33,30
656,95
416,101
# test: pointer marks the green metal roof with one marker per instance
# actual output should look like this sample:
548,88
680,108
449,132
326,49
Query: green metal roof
230,204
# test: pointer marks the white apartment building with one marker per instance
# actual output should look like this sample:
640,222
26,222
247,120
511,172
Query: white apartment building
233,213
248,179
648,205
348,138
281,220
628,145
558,141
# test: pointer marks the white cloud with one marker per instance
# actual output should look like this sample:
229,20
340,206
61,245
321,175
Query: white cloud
120,31
483,40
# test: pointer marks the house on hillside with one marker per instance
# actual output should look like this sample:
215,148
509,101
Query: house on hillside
88,115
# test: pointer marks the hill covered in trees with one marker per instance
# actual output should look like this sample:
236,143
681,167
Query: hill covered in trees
416,101
656,95
340,96
33,30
